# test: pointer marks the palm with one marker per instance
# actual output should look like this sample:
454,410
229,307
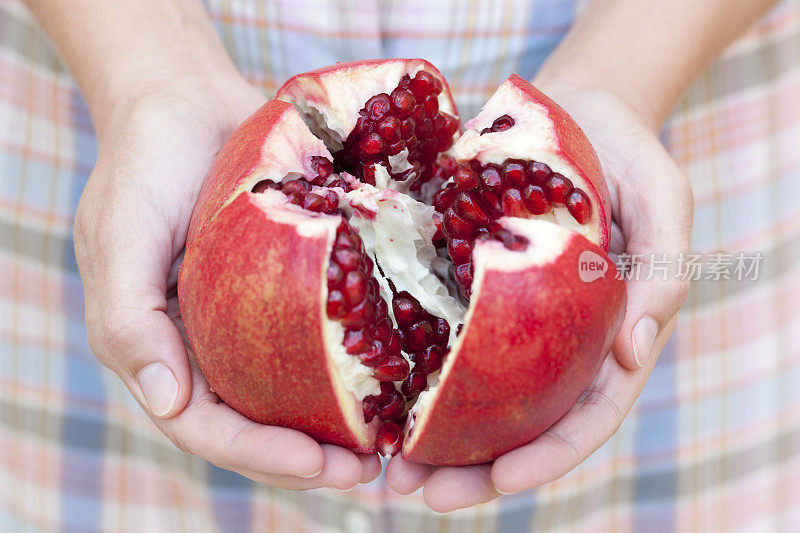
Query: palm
647,191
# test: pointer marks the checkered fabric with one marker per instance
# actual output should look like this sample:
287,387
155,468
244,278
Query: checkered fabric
713,443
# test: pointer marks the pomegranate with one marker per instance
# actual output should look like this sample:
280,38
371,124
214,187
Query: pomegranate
358,269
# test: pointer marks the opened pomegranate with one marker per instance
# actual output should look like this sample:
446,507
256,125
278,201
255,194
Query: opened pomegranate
358,269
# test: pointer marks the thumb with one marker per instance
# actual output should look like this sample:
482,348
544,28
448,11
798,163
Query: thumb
127,324
655,218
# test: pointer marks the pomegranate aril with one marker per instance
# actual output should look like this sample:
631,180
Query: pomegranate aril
558,189
466,204
422,85
463,275
372,144
450,126
502,123
444,198
295,198
347,258
413,385
406,309
375,354
491,178
430,360
355,287
455,226
514,172
356,341
465,178
336,305
263,185
403,102
314,202
331,204
394,409
538,172
441,331
389,439
335,274
339,183
299,185
535,200
389,129
424,127
378,106
407,128
431,106
394,344
513,205
419,335
492,203
321,166
383,329
370,408
395,369
360,315
459,249
396,148
579,206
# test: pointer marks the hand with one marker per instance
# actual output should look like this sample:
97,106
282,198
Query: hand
652,211
130,228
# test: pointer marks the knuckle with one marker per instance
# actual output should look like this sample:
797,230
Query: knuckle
119,330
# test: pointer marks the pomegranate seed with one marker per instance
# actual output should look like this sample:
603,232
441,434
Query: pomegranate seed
355,287
356,341
370,408
455,226
422,85
492,203
424,127
579,206
403,102
346,240
459,250
558,189
394,344
395,369
463,275
535,200
465,178
395,148
378,106
419,335
418,114
431,106
331,204
539,172
466,205
490,178
502,123
430,360
381,309
437,85
513,205
314,202
375,354
444,198
389,439
321,166
383,329
299,185
406,309
360,315
335,274
372,144
366,266
389,129
414,384
339,183
336,304
450,126
441,331
407,128
347,258
263,185
515,174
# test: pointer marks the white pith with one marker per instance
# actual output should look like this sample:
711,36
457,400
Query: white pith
546,242
531,138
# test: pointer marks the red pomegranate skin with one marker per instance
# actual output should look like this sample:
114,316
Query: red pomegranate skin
250,280
558,330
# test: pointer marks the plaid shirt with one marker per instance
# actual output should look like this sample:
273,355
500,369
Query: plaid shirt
713,443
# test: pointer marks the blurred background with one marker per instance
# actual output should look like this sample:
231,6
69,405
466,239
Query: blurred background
713,443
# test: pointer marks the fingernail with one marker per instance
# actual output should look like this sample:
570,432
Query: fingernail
160,388
504,493
644,334
312,475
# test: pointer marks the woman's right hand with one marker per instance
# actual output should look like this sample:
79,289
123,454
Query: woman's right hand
154,151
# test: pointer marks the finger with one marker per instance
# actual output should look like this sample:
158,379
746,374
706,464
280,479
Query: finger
210,429
405,477
590,423
656,217
370,466
456,487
